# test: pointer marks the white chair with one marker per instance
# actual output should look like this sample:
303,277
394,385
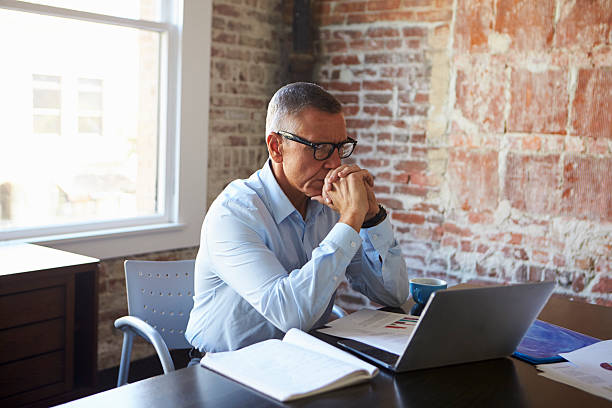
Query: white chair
160,297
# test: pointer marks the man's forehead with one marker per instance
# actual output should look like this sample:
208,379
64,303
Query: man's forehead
318,126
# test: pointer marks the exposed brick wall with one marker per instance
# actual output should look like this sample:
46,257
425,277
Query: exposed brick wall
498,111
249,63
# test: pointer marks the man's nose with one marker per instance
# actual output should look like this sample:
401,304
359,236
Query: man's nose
334,160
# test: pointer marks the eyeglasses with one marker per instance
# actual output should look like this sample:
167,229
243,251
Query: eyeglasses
322,151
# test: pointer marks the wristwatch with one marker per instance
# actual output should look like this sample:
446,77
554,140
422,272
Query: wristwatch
377,219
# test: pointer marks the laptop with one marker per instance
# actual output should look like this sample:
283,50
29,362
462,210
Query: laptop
464,325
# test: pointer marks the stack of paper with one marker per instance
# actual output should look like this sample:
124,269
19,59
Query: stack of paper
588,368
384,330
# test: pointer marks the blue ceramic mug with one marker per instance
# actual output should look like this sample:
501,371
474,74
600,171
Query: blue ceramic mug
421,289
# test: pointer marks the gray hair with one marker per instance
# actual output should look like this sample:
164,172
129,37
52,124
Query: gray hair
293,98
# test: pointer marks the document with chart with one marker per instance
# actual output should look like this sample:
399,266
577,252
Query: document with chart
384,330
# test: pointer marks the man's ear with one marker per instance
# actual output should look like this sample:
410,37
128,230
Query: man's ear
275,147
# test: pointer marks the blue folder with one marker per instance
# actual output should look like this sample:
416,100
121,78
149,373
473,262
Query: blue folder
544,341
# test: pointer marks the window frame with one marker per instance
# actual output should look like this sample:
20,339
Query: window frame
185,82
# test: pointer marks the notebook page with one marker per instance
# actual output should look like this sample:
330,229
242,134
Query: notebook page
304,340
281,370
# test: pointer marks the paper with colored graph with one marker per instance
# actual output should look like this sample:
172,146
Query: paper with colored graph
588,368
384,330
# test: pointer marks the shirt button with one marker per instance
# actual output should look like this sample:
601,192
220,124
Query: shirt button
353,244
375,236
335,278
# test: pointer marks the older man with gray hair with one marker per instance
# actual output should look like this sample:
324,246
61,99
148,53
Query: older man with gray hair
275,247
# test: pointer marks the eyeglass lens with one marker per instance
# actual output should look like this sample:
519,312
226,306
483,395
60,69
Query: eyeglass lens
326,150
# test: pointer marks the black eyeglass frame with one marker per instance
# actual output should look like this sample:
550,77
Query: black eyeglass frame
316,146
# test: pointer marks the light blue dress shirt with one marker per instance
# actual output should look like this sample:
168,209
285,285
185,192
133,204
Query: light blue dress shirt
262,269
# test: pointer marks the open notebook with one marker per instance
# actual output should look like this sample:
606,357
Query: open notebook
298,366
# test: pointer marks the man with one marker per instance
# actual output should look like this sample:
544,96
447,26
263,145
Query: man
275,247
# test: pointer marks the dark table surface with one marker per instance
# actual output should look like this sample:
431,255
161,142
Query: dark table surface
505,382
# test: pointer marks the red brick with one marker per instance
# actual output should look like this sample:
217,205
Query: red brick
392,149
528,23
539,101
559,260
432,16
584,24
319,8
454,229
449,241
473,24
593,103
408,218
391,203
374,162
480,94
393,44
359,123
466,246
420,138
531,182
377,111
417,3
342,86
331,20
225,38
380,16
377,85
335,46
472,178
376,5
346,7
410,190
603,285
587,187
482,248
226,10
411,166
480,217
367,45
350,110
382,32
345,60
379,98
347,98
414,32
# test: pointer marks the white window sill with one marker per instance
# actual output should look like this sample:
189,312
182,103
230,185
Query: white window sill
117,242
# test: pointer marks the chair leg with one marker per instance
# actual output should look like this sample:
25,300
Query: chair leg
126,352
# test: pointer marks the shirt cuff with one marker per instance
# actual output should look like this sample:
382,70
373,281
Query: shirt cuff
380,235
343,236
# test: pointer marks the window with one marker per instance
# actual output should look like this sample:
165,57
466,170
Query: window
46,104
94,149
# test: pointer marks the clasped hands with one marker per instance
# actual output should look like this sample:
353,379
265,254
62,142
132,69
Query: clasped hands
348,190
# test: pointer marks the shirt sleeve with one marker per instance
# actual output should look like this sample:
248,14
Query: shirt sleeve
378,270
297,298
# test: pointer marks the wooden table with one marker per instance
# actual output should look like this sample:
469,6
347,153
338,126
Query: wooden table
48,325
506,382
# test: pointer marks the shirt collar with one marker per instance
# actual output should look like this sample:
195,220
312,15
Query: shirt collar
278,203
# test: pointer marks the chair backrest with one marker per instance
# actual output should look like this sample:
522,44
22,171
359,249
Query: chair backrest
161,294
